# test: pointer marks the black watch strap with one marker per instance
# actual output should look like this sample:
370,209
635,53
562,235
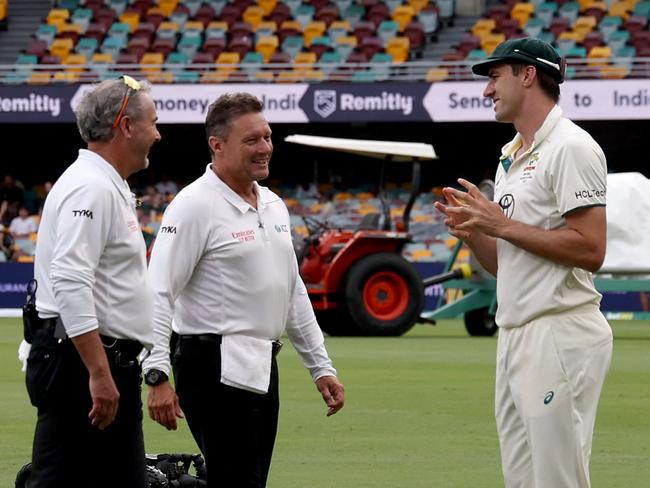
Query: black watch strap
154,377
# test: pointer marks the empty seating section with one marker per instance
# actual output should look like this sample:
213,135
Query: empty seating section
598,38
205,40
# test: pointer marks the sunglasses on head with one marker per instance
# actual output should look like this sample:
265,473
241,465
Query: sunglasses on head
132,85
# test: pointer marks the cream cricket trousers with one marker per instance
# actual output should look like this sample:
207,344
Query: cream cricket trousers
550,373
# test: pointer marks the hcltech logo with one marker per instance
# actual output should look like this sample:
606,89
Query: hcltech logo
549,397
325,102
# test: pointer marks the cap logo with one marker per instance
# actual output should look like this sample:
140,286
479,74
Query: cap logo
541,60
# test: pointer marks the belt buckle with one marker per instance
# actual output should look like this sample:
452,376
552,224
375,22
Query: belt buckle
123,362
276,347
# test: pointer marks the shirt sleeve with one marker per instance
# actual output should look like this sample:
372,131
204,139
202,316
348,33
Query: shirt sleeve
580,174
178,248
304,332
83,227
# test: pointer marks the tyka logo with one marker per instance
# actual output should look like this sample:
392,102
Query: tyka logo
168,229
83,213
507,204
325,102
549,397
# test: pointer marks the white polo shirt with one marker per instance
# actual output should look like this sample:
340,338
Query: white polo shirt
220,266
565,169
90,255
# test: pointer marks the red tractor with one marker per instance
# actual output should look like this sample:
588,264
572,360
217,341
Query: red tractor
358,281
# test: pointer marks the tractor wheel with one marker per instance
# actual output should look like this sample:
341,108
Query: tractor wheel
479,322
336,323
383,295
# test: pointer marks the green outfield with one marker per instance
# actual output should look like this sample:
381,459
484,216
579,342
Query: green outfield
419,413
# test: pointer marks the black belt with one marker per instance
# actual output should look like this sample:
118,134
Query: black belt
216,339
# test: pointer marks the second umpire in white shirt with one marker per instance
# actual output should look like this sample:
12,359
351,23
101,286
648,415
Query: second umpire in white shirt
225,279
94,303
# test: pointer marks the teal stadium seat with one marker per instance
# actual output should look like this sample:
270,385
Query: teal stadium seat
113,45
119,6
120,30
642,9
46,32
354,13
194,5
618,40
381,68
609,25
330,61
533,27
217,5
82,17
176,62
363,76
87,46
180,17
387,30
15,78
292,45
189,45
304,14
546,11
187,77
476,55
25,62
69,4
252,62
570,11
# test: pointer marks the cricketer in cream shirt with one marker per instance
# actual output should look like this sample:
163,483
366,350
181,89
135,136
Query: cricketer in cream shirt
564,169
220,266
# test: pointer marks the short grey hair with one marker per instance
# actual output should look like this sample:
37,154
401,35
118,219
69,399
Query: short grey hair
99,107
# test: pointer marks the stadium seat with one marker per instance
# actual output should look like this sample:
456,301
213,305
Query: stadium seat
304,14
292,45
252,62
378,13
585,24
216,28
327,14
635,23
267,6
117,5
533,27
521,12
145,29
180,17
57,16
177,62
240,29
168,6
483,27
330,61
266,46
403,15
509,27
61,48
82,17
312,30
167,30
101,61
339,28
304,60
203,58
26,62
38,78
363,29
138,46
642,9
369,46
265,28
241,45
46,32
345,46
37,47
151,62
131,18
189,45
614,72
545,11
207,14
619,9
499,11
191,77
163,45
227,61
618,40
354,13
398,48
253,15
593,39
476,55
608,25
387,30
76,62
429,18
599,56
415,33
280,13
596,9
491,41
570,11
559,25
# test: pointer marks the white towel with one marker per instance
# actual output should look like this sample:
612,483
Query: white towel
246,362
23,353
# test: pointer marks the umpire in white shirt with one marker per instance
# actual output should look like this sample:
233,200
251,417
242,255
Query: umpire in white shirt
225,279
94,302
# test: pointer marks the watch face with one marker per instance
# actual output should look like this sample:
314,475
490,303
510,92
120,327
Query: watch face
153,377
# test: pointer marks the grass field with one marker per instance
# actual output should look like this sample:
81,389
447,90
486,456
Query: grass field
419,414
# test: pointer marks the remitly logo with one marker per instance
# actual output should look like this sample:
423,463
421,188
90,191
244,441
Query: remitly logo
325,102
31,103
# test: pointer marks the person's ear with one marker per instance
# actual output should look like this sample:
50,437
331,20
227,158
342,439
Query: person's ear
530,72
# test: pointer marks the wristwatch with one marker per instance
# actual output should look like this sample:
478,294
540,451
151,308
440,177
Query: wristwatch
154,377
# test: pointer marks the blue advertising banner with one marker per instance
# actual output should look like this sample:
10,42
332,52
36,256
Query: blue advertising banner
13,283
385,102
36,104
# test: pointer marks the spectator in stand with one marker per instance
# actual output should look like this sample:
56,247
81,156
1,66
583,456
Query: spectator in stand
167,186
11,199
6,244
21,228
23,225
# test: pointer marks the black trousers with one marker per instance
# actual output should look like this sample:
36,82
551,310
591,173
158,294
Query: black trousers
235,429
68,451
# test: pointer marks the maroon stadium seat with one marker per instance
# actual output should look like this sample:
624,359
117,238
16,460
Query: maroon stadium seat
327,14
241,45
371,46
559,25
414,30
230,14
36,47
164,46
214,46
362,30
146,30
138,46
280,13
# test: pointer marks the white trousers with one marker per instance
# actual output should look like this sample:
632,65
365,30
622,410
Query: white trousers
550,373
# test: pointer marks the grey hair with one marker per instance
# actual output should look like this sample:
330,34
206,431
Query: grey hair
99,107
